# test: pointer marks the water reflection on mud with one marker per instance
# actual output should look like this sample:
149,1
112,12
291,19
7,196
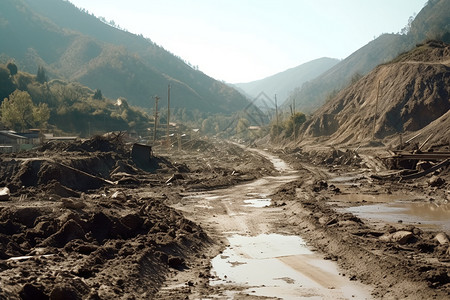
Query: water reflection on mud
429,214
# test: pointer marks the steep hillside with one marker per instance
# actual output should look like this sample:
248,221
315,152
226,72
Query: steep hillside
413,91
283,83
74,45
314,93
432,21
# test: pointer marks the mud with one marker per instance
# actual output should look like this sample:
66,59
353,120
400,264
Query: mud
83,221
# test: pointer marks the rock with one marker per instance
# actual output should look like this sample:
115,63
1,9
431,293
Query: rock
119,195
176,262
175,177
26,215
70,231
348,223
32,292
402,237
64,292
57,188
132,221
5,194
436,181
442,238
72,203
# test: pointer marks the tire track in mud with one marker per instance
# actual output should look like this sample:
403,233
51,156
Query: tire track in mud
227,215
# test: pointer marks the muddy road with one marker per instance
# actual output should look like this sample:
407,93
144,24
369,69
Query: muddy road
303,233
218,221
263,257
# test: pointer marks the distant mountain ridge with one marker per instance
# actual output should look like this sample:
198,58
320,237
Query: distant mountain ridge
432,21
283,83
76,46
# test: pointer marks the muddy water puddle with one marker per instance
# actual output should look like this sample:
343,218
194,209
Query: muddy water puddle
422,214
257,261
282,267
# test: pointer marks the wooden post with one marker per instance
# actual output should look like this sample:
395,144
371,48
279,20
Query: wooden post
168,116
293,120
156,118
276,113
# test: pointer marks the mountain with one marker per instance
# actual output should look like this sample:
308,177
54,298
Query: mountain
433,21
73,45
402,96
283,83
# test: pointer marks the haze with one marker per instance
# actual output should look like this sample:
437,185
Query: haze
241,41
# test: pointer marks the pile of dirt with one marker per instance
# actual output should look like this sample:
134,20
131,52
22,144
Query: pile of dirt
82,221
398,260
103,247
326,156
402,96
216,164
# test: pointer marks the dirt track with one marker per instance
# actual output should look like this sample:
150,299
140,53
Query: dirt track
143,238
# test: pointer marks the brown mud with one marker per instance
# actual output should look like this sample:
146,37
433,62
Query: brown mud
84,221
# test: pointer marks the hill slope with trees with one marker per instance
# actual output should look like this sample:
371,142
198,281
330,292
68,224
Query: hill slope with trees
30,101
76,46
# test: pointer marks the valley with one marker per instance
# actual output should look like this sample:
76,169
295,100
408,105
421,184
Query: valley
173,237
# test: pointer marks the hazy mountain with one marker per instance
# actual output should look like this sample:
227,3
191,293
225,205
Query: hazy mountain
74,45
433,21
403,96
283,83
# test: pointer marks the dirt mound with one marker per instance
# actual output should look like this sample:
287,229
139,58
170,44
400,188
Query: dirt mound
96,244
403,96
105,143
83,221
78,166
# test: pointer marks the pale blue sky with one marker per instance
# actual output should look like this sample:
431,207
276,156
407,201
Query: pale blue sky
245,40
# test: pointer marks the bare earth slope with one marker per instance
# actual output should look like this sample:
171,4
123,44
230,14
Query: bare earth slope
403,96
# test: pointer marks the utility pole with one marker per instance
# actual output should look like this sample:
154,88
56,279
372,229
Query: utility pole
276,113
293,120
168,116
376,111
156,117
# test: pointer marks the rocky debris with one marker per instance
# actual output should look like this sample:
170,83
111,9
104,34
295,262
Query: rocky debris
401,237
442,238
436,181
175,177
5,194
88,223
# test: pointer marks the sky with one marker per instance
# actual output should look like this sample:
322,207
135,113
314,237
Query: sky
245,40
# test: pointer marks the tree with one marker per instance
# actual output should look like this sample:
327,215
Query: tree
41,77
41,114
12,68
6,85
19,113
292,125
98,94
17,110
242,128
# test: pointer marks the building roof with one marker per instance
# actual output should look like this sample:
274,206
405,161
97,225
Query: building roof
11,134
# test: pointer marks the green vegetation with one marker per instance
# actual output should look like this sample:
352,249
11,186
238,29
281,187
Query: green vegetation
19,113
288,126
58,105
65,42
